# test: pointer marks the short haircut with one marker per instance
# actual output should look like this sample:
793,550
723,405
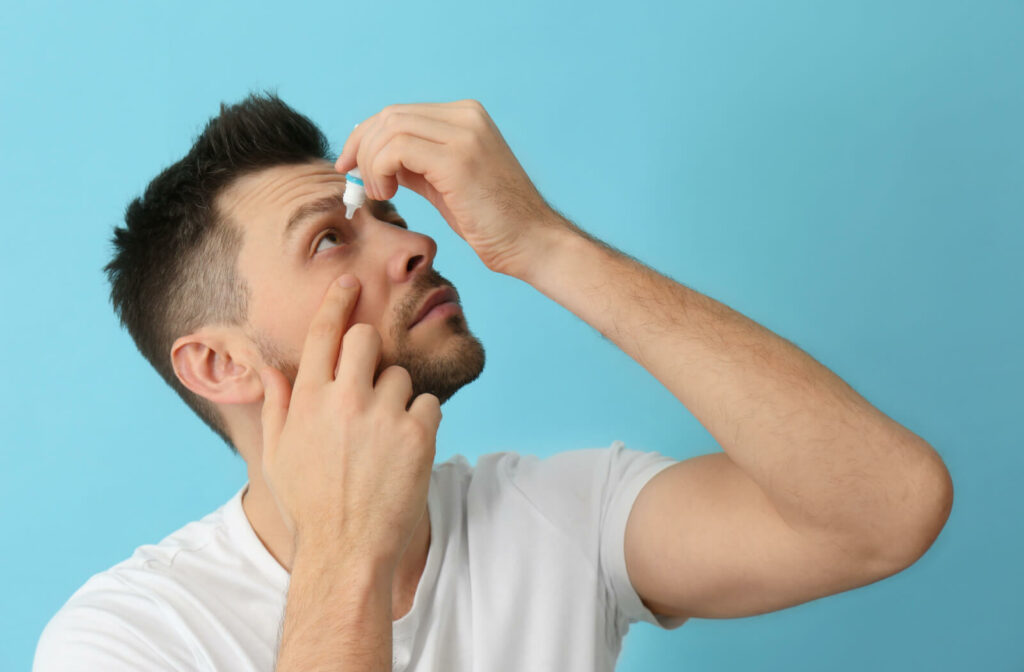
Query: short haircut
174,265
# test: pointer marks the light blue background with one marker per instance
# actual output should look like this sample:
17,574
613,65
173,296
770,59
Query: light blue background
850,175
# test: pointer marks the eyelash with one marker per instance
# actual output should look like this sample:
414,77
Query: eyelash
316,242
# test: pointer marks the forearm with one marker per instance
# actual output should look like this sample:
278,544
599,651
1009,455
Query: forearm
828,460
338,615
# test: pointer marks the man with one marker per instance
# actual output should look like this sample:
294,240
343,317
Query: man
321,348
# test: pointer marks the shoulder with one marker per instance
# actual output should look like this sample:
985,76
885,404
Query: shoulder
110,624
124,617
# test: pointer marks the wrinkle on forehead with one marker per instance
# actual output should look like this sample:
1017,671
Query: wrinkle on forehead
273,193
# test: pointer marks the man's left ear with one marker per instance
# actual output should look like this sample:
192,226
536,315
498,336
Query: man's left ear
218,365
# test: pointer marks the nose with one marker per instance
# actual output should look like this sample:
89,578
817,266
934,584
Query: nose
414,255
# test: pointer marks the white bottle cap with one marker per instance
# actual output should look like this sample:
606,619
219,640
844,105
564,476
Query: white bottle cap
355,193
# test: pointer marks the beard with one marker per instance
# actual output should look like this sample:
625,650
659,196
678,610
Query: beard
456,361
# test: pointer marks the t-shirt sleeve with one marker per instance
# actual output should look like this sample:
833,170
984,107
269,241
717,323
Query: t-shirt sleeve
113,633
590,493
628,472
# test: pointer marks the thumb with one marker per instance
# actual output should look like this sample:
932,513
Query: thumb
277,394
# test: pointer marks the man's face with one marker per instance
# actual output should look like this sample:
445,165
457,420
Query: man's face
289,263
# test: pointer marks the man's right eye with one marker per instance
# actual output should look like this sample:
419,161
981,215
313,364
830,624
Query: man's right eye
331,237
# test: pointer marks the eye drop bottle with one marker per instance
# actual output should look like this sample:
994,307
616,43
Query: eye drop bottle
355,193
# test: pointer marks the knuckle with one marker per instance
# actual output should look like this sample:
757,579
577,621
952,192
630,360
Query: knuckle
402,144
476,114
349,409
467,137
364,332
386,157
373,335
416,433
380,160
432,405
322,329
351,406
398,371
350,337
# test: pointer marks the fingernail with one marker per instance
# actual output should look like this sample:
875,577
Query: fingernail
347,280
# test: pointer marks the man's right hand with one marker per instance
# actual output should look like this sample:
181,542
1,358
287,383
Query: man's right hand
343,458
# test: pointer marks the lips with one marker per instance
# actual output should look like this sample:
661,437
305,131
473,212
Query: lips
435,298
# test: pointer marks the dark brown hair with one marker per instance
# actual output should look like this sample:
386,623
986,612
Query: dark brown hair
174,263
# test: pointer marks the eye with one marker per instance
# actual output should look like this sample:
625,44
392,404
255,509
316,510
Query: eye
401,223
330,236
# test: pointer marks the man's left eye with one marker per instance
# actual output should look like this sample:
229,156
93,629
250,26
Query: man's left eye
330,237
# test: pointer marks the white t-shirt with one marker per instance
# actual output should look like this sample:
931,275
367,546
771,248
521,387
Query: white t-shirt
525,571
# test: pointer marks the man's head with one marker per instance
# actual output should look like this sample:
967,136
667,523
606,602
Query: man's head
225,258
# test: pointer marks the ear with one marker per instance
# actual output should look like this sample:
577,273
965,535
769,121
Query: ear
216,366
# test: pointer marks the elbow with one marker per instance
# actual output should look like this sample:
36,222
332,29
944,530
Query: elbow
923,513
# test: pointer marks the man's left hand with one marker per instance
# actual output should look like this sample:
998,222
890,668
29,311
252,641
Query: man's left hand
453,155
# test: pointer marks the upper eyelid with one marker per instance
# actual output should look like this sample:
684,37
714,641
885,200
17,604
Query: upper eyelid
320,231
319,224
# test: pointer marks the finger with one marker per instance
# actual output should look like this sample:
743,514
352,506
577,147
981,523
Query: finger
430,159
394,384
395,125
374,125
341,164
451,112
420,125
277,396
323,339
346,160
360,355
427,408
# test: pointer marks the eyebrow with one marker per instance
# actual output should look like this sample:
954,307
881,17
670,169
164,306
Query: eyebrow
325,205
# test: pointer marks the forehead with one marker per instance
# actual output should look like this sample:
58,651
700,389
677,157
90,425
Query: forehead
264,199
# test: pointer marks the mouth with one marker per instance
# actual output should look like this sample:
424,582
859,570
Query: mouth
441,295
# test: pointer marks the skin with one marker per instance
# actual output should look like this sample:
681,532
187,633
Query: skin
287,281
816,491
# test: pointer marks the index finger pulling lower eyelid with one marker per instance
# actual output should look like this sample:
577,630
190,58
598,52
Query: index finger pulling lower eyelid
326,330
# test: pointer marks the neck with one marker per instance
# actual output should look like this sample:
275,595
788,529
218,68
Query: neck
262,512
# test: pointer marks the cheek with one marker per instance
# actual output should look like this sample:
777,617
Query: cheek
284,311
282,318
